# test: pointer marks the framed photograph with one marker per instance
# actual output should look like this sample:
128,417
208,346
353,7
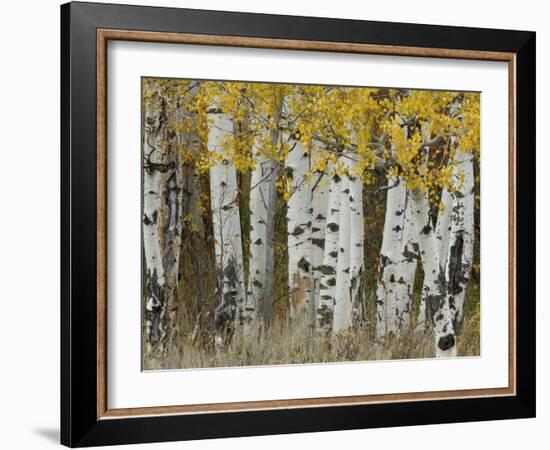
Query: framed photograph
277,224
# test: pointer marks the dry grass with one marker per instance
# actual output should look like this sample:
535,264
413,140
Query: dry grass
285,344
468,341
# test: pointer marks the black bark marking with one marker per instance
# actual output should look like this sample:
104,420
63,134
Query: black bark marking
331,281
327,270
427,229
456,274
155,304
304,264
258,242
146,220
297,231
333,227
446,342
408,254
318,242
384,261
289,172
397,228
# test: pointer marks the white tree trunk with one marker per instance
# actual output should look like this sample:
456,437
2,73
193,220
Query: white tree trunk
171,248
263,199
155,283
442,234
357,238
266,310
227,231
299,223
342,301
443,226
461,242
397,264
327,286
260,282
258,234
319,201
434,290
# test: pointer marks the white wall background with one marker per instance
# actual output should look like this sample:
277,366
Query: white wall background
29,223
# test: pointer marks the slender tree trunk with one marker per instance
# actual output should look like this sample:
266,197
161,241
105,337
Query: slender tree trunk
443,226
442,234
172,226
397,264
454,244
227,232
263,198
155,281
319,202
299,215
327,285
434,290
261,237
461,241
357,237
266,310
342,303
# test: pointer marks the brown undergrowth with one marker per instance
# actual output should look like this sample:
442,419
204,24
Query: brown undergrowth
285,343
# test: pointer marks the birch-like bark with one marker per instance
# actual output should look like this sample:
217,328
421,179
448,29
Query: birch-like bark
397,265
461,241
171,246
263,198
299,225
258,235
155,281
455,241
342,301
266,308
434,290
443,226
357,238
327,285
262,205
442,234
227,231
319,201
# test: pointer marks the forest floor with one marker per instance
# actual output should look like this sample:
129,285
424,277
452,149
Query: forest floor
285,344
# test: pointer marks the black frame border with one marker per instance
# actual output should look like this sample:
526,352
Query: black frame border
79,423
